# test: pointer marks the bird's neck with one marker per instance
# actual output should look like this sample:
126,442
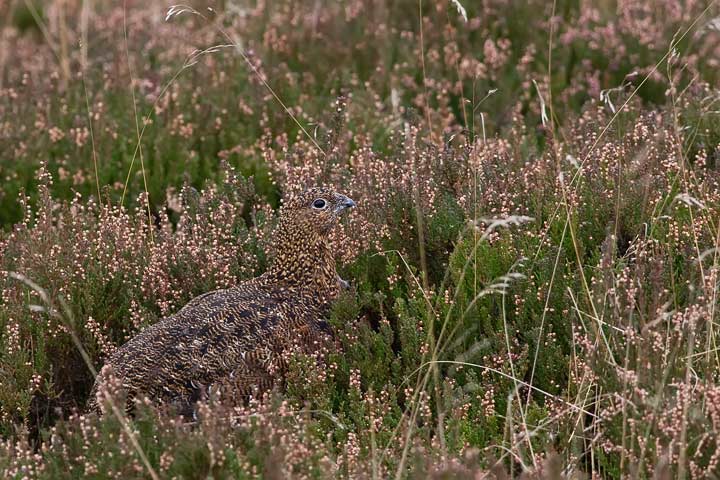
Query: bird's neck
302,262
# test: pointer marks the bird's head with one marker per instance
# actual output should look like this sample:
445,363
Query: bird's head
315,211
303,254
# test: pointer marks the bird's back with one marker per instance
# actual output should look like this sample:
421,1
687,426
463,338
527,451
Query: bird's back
223,333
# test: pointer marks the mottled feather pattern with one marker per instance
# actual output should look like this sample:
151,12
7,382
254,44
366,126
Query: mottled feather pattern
239,335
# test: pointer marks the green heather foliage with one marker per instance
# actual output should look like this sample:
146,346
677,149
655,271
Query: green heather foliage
534,257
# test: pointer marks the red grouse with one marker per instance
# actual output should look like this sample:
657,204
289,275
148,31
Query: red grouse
240,333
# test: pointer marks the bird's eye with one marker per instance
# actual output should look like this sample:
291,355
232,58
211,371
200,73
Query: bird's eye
319,204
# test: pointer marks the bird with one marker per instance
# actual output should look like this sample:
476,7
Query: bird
239,334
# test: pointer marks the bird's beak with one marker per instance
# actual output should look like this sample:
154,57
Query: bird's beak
344,203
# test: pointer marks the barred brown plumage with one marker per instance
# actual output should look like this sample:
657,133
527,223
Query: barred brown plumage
240,333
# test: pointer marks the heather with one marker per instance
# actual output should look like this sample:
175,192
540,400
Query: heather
534,257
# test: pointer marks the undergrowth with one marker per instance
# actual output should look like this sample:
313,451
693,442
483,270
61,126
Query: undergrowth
533,260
